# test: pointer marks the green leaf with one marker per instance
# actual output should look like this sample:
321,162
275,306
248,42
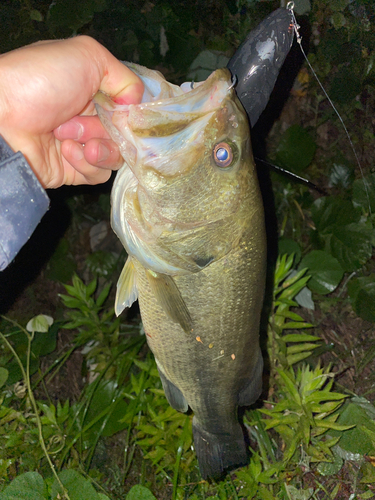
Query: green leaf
296,358
338,20
36,15
300,337
332,425
324,395
103,295
139,492
91,287
77,486
3,376
354,440
299,493
350,244
302,7
306,346
28,486
205,63
362,295
102,263
296,149
333,211
346,84
296,325
290,385
40,323
45,343
364,192
304,298
289,246
341,175
71,302
325,271
330,468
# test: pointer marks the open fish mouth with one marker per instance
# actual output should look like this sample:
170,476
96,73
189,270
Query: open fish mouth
167,123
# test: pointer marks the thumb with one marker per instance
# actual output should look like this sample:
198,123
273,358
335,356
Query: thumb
118,81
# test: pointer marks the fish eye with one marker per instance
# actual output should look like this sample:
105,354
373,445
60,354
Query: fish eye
223,155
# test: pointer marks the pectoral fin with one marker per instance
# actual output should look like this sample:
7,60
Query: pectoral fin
173,394
169,297
127,292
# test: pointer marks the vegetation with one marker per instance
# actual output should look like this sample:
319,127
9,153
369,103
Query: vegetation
82,411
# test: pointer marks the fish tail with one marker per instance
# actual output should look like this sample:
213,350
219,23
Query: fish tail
219,453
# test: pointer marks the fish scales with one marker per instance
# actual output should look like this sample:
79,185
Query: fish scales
227,286
187,207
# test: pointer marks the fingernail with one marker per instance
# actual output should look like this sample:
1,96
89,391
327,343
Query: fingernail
71,130
103,153
132,95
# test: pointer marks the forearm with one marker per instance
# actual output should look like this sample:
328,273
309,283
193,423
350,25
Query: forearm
23,202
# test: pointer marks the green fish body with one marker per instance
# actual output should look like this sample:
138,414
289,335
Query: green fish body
187,207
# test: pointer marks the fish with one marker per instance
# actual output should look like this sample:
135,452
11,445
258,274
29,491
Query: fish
187,208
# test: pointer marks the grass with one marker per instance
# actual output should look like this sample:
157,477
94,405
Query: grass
295,433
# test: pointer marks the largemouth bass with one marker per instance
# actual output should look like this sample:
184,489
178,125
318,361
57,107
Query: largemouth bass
186,206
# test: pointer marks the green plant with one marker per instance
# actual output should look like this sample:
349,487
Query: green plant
305,412
68,433
286,349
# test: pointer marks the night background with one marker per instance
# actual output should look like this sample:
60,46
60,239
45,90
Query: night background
89,378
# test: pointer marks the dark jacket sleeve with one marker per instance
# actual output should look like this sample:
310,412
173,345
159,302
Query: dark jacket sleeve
23,202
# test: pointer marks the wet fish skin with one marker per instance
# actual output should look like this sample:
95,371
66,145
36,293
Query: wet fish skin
195,237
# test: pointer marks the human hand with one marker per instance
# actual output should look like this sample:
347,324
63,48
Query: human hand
46,110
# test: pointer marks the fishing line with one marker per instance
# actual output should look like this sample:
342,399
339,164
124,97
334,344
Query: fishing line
290,7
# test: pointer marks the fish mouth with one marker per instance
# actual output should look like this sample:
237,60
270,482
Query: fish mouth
169,118
165,108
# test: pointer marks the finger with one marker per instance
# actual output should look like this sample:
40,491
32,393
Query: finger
89,175
114,78
77,170
118,81
103,153
82,129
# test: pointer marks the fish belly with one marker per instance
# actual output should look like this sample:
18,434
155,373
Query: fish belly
218,366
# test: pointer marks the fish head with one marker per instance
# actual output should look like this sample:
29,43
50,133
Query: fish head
187,163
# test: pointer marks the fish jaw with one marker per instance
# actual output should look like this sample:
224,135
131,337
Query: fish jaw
135,128
105,108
